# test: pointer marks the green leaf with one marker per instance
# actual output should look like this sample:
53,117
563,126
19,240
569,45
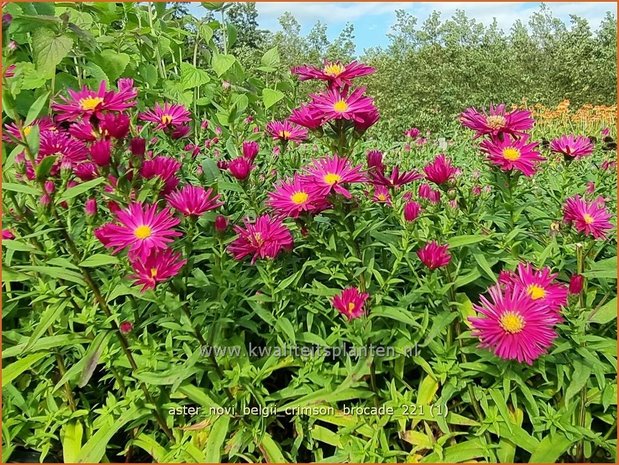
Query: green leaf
74,191
272,452
48,317
55,272
222,63
22,188
427,390
98,259
35,109
12,371
112,63
270,59
286,326
206,33
459,241
216,439
270,97
192,77
71,437
606,269
34,139
605,314
551,448
44,168
580,377
49,49
94,449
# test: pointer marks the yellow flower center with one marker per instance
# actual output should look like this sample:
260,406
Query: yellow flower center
143,232
258,238
511,153
299,197
588,218
334,69
536,292
332,178
284,134
351,307
382,197
495,121
90,103
153,273
166,119
27,130
512,322
340,106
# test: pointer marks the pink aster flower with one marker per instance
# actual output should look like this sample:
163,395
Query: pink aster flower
306,116
350,302
334,104
540,285
412,210
497,121
395,179
513,154
440,170
101,152
335,73
426,192
141,228
589,218
382,195
286,131
263,239
293,197
193,200
413,133
84,103
375,161
159,266
327,175
433,255
240,168
164,168
571,146
513,325
166,116
64,146
115,125
367,120
250,150
12,131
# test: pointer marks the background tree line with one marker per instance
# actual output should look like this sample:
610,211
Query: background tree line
431,71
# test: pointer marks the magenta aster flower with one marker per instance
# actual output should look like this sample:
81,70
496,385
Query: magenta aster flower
426,192
240,168
286,131
440,170
141,228
159,266
395,179
334,104
350,302
513,154
433,255
540,285
497,121
335,73
306,116
12,131
295,196
193,200
375,161
164,168
101,152
412,210
571,146
382,195
62,145
367,120
250,150
83,104
413,133
166,116
327,175
513,325
7,234
589,218
263,239
114,125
